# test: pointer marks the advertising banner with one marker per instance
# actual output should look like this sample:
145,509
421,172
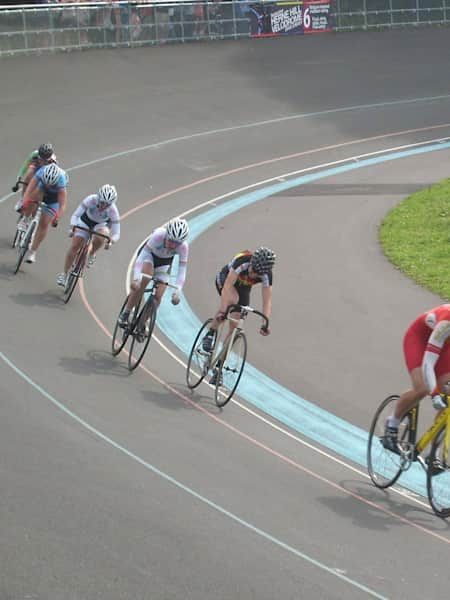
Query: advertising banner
289,18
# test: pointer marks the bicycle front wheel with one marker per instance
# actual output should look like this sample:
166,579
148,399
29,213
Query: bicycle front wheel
383,465
198,362
74,275
18,235
24,245
142,333
120,334
230,370
438,477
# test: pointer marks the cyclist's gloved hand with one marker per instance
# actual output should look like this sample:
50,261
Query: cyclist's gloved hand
439,401
264,330
70,233
15,187
175,298
220,316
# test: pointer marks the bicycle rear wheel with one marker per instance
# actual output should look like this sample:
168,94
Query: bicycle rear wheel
438,477
198,363
74,274
24,245
230,370
383,465
120,334
142,333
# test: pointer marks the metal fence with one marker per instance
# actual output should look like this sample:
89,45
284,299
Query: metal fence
49,27
380,14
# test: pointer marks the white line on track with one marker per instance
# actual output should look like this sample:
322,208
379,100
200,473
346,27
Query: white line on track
188,490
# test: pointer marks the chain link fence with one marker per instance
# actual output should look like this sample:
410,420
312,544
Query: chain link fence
76,25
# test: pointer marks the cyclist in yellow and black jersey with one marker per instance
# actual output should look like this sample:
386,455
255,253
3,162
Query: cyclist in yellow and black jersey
234,283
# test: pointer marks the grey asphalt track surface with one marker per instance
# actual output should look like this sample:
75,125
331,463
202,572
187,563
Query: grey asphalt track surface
128,487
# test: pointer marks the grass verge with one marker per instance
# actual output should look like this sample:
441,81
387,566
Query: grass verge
415,236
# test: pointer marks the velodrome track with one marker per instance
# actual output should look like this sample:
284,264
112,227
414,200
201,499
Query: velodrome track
128,487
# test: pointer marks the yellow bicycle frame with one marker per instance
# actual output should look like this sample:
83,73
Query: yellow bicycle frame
443,419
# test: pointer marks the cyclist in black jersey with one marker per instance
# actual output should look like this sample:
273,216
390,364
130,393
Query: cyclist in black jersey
234,283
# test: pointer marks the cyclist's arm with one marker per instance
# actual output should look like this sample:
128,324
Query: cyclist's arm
62,200
32,188
183,253
77,213
436,341
266,300
115,225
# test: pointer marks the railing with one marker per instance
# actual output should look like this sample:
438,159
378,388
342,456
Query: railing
380,14
49,27
45,27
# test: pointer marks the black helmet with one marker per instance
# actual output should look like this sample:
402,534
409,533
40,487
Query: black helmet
45,151
263,260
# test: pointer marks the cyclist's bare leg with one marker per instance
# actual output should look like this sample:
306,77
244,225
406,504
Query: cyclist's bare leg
41,231
231,298
412,396
97,241
138,287
77,242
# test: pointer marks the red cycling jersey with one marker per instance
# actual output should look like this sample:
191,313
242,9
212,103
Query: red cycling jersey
426,344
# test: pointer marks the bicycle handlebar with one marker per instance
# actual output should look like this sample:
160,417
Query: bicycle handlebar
15,187
158,281
246,309
91,232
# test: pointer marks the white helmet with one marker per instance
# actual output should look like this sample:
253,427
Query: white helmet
177,230
107,194
51,174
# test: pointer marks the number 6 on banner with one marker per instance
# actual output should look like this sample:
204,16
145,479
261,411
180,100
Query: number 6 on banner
306,19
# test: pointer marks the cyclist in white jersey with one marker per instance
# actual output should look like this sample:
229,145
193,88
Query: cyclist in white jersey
155,258
99,213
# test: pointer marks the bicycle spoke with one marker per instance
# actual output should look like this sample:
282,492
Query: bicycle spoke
74,274
24,245
385,466
438,478
198,362
142,333
230,370
120,335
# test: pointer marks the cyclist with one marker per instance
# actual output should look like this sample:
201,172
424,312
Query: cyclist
234,282
426,347
44,155
48,187
96,212
155,258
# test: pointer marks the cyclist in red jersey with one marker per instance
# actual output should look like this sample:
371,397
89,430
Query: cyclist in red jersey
426,346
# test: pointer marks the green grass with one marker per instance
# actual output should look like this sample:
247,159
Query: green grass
415,237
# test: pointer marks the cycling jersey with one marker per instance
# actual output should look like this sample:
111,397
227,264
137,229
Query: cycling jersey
89,214
240,264
33,159
51,192
155,251
426,344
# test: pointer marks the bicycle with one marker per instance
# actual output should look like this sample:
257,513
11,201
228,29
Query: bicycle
26,238
385,466
19,233
227,357
79,262
140,325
